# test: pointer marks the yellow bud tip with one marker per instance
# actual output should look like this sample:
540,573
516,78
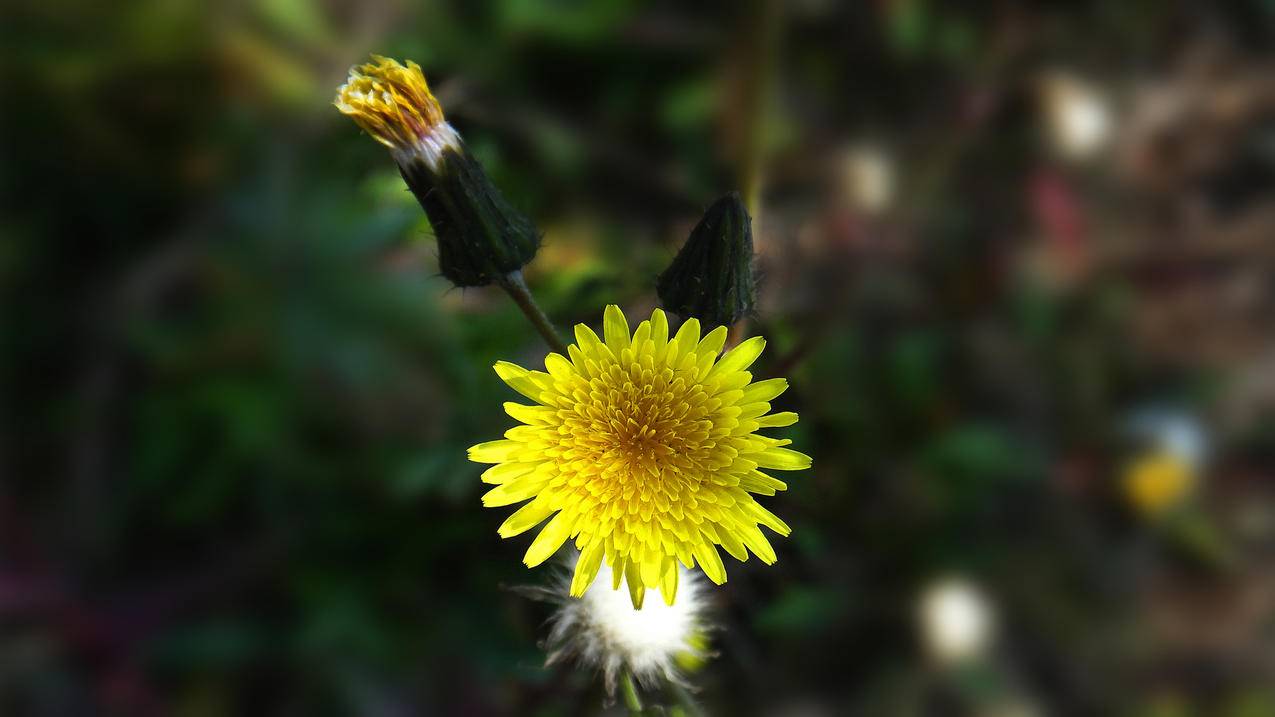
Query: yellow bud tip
391,102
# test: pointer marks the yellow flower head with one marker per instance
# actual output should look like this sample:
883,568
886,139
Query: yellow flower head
646,449
393,104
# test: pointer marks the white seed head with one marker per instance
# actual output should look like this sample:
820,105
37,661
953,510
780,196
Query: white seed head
602,630
430,147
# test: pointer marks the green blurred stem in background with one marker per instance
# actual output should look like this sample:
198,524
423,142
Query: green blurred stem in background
630,693
763,40
514,284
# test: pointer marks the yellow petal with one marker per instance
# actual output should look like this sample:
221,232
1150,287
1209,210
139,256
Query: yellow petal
739,358
650,570
578,360
551,537
525,434
749,411
617,572
764,390
732,543
526,517
709,561
687,338
494,451
641,335
518,378
712,344
668,581
659,329
587,567
760,483
757,543
781,459
505,472
777,420
585,338
615,328
513,492
684,555
767,518
530,414
637,591
559,367
733,381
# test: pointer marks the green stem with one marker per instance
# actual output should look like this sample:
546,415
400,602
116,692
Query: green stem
761,40
630,693
516,287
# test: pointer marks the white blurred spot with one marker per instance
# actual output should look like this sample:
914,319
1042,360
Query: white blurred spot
868,177
1174,431
1077,115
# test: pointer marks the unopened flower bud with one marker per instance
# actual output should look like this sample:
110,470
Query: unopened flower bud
711,279
481,238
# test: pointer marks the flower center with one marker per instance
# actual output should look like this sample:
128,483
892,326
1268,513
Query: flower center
643,432
649,426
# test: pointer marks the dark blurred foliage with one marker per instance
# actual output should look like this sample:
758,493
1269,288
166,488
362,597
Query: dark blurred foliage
237,396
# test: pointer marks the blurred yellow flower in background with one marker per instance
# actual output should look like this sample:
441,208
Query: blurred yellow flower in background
646,449
1157,481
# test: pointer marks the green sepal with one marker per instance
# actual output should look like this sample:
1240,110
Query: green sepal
481,237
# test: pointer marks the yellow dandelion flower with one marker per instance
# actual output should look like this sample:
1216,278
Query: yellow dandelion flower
646,449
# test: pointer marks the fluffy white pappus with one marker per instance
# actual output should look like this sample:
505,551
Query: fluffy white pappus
429,147
602,631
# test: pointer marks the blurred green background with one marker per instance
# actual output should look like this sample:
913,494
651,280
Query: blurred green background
1010,256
